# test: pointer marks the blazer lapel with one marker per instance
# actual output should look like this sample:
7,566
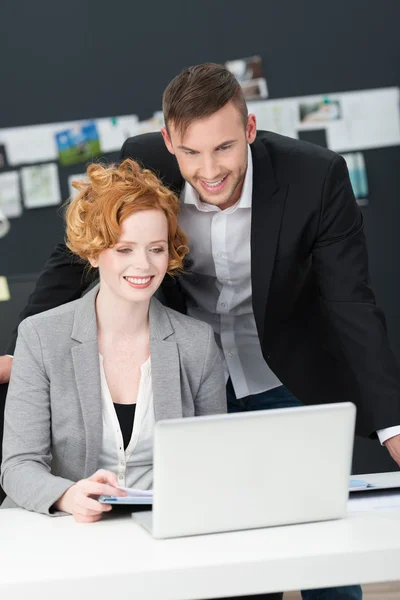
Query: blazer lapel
85,357
165,364
268,203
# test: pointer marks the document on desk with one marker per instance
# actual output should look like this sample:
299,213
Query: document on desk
133,496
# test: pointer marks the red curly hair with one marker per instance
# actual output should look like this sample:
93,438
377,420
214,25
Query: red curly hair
112,194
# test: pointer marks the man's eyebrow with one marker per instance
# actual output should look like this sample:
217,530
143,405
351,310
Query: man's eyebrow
227,143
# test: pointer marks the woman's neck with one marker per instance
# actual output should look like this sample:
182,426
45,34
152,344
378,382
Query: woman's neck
117,318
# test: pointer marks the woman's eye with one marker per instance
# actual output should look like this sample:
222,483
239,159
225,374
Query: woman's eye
123,250
157,250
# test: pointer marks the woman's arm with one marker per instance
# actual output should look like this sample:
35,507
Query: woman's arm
25,470
211,396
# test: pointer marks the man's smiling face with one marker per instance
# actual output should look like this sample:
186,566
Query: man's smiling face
212,154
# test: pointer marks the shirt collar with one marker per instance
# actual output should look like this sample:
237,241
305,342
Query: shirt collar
190,196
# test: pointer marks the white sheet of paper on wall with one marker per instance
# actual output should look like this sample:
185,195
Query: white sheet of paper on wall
40,186
10,195
371,119
278,116
114,131
4,290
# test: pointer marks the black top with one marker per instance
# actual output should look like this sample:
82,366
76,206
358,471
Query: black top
126,416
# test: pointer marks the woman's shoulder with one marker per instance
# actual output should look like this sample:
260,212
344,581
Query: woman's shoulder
51,320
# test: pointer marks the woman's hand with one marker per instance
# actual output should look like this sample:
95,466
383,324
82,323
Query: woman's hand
80,499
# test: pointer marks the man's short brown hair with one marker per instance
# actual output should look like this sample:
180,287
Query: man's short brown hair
199,92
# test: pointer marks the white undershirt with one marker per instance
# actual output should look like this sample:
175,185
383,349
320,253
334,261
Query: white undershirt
220,290
133,466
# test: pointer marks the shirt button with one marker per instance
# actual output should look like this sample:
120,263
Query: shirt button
223,304
122,463
231,353
218,255
121,477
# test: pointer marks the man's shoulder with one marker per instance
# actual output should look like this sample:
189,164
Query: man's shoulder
150,151
292,156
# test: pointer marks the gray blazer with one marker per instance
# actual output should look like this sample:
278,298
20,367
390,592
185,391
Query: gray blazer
53,418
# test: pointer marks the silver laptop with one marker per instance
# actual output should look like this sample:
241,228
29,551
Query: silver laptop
249,470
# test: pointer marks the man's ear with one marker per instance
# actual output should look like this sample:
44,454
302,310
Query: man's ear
167,140
251,129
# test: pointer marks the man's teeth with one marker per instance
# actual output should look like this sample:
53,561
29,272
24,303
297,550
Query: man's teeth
215,184
138,280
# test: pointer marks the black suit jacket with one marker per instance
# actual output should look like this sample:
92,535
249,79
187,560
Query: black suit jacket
319,327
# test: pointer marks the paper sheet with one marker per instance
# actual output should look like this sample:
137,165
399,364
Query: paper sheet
10,195
136,493
41,186
277,116
4,291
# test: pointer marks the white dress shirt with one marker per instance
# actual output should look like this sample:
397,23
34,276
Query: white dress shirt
219,290
133,466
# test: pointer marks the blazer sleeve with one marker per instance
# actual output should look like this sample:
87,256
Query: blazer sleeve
62,280
211,395
25,470
340,260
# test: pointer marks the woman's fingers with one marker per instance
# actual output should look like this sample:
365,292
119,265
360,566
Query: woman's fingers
93,488
104,476
84,503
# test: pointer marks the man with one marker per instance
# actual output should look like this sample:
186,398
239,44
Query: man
278,261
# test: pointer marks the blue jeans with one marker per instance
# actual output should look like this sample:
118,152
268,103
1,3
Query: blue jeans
280,397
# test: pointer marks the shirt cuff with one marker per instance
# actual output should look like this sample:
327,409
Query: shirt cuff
388,432
10,355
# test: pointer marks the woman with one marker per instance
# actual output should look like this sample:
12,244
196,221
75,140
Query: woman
90,378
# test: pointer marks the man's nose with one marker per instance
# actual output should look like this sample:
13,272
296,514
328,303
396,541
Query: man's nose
210,170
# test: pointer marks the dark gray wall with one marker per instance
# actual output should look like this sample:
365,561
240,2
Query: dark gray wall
82,59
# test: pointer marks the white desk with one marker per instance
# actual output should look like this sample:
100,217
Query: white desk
43,558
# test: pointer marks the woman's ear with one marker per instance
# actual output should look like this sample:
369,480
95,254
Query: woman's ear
94,262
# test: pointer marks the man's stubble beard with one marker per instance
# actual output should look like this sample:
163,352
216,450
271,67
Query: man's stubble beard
239,180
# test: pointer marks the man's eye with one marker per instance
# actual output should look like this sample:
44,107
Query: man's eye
190,152
225,147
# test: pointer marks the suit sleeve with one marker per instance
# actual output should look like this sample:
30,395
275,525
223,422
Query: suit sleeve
26,468
63,279
340,260
211,395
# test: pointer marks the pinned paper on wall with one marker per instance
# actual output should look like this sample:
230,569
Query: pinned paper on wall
115,130
78,144
352,120
40,186
79,177
277,116
37,143
370,120
358,176
4,290
10,195
249,73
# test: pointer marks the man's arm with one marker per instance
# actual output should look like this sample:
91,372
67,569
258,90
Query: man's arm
63,279
340,260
